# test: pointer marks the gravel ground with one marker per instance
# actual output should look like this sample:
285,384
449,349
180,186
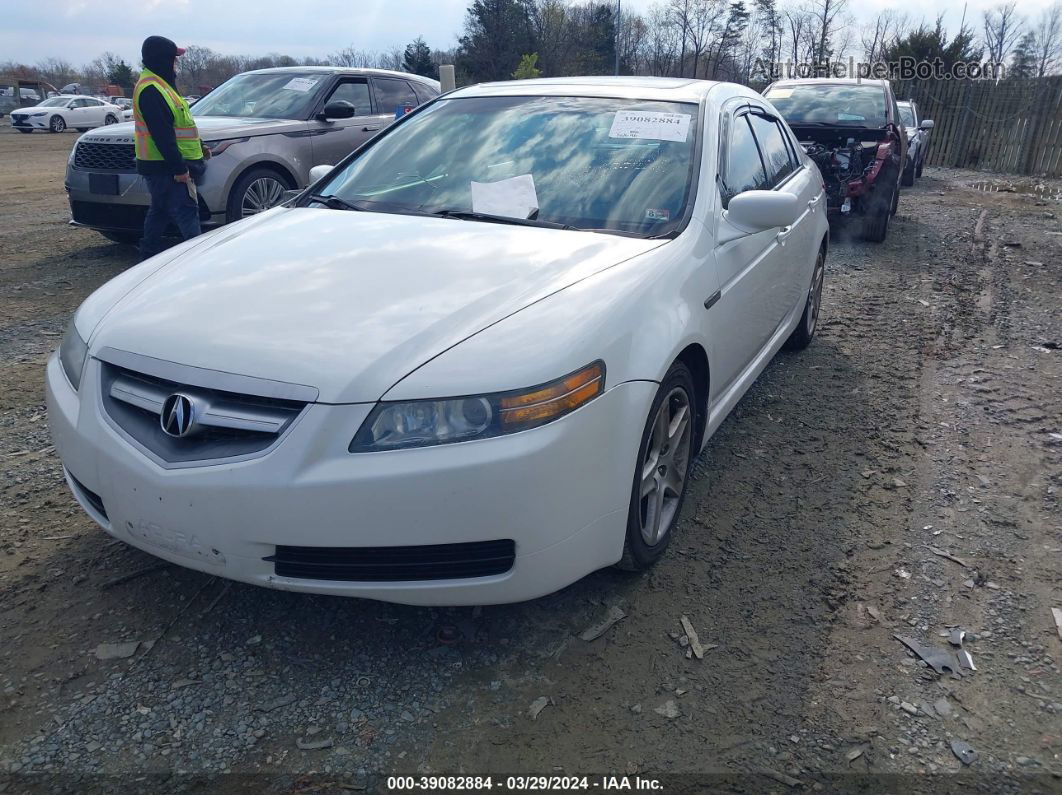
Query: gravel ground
899,478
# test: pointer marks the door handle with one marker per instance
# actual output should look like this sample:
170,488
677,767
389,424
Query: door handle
814,202
781,236
370,129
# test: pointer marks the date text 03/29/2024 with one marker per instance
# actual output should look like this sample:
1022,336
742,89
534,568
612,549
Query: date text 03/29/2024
523,783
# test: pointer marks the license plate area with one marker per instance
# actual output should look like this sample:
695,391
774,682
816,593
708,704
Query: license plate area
103,184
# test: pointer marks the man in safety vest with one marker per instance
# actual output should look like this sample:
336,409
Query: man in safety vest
169,155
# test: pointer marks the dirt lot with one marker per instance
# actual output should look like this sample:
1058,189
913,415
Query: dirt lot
900,477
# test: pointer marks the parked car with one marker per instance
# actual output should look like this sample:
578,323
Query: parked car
266,129
917,130
470,364
126,103
852,130
58,113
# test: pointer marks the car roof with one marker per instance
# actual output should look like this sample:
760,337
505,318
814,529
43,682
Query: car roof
838,81
673,89
905,102
344,70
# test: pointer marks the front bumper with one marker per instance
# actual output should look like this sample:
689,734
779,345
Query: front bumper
29,123
560,492
125,208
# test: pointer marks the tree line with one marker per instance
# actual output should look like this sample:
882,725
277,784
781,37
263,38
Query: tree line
710,39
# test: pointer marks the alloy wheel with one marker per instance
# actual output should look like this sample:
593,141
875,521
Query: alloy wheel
263,193
110,119
58,125
663,474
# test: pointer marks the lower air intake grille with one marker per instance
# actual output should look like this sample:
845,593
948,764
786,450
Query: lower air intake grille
91,497
396,564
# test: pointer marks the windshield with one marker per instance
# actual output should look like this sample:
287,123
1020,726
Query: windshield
55,102
906,115
825,103
285,95
604,164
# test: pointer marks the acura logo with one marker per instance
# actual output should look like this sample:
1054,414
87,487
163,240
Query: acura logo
178,415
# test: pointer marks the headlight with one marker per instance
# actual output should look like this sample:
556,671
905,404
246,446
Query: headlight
419,423
217,147
42,113
72,355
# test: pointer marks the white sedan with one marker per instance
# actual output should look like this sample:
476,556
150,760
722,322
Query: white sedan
471,364
62,112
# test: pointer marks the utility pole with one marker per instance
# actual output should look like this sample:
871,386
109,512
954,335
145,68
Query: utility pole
617,25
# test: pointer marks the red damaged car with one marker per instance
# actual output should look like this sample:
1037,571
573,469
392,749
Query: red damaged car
853,132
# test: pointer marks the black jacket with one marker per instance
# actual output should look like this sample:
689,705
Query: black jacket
159,119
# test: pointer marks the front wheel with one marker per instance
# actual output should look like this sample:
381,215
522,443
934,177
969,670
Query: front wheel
111,119
57,124
907,178
804,333
876,220
664,460
254,192
918,169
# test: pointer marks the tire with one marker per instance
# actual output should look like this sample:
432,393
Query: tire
57,124
665,457
895,201
918,168
110,119
255,187
122,238
804,333
907,178
876,220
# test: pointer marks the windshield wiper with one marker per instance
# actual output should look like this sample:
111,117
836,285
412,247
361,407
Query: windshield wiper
332,202
471,215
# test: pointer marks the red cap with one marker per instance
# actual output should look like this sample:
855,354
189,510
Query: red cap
181,51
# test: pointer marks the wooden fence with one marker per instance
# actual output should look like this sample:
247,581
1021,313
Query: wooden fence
1013,126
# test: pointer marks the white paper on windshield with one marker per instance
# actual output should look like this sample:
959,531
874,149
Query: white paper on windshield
651,125
300,84
780,93
512,198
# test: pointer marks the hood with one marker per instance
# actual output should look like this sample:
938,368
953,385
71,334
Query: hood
211,128
347,302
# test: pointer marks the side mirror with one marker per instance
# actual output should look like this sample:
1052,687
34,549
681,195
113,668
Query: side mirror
339,109
927,124
758,210
319,172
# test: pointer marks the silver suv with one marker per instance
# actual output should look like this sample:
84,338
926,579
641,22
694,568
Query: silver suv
265,129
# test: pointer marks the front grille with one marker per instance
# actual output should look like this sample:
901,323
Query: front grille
91,497
109,215
18,118
105,157
395,564
228,424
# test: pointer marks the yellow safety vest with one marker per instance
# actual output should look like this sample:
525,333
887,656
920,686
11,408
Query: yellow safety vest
183,124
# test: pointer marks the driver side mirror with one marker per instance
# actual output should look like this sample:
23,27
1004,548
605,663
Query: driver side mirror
758,210
927,124
319,172
339,109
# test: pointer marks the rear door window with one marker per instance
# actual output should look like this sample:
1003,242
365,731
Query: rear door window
424,94
393,95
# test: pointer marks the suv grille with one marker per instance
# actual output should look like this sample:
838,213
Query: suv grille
106,157
219,424
396,564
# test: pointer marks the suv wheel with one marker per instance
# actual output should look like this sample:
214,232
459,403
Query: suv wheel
256,191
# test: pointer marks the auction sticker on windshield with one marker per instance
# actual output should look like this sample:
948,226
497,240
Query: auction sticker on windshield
300,84
650,124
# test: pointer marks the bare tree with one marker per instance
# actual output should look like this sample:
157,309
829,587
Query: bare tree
1047,40
1002,29
829,19
877,36
57,71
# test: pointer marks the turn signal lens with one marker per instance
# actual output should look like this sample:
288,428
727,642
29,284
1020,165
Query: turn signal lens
554,400
422,423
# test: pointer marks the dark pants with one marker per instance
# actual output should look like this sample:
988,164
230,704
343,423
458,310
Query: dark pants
169,202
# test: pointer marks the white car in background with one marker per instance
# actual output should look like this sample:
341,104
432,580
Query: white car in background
59,113
469,365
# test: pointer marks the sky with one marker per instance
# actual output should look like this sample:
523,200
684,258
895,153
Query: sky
79,30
